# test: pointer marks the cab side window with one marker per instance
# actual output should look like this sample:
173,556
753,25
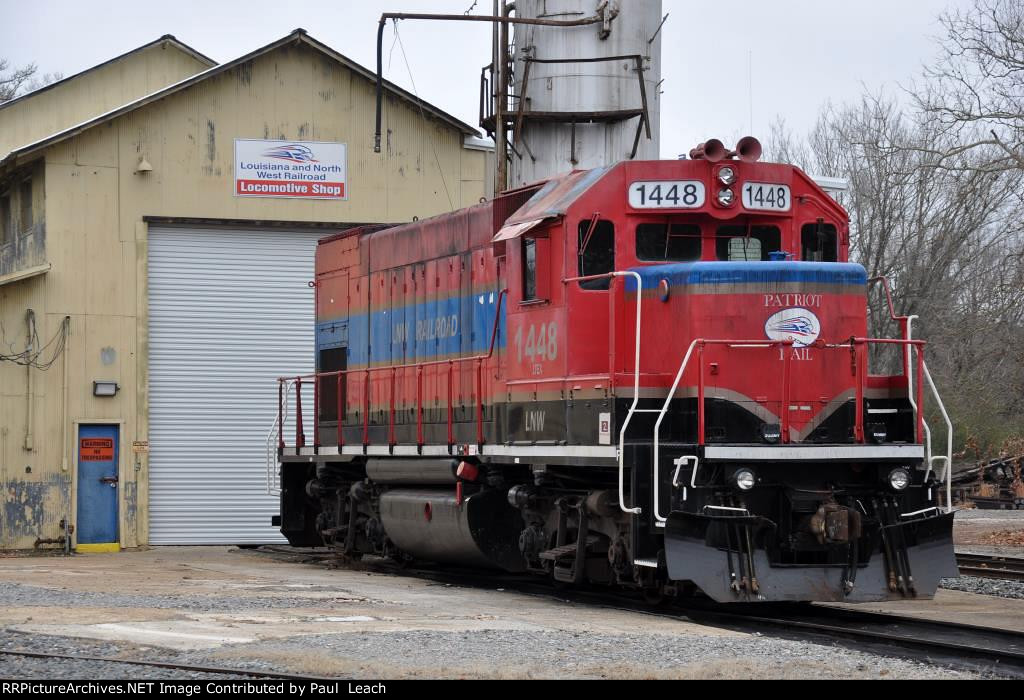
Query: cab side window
746,244
529,269
819,242
664,243
596,252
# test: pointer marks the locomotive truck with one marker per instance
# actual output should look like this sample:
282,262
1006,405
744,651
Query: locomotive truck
654,375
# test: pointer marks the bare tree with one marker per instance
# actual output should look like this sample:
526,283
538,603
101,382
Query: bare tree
946,229
12,80
43,81
975,90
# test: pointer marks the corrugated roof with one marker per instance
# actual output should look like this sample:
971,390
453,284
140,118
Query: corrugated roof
555,198
298,36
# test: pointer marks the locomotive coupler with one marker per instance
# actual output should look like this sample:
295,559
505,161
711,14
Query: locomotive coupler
835,524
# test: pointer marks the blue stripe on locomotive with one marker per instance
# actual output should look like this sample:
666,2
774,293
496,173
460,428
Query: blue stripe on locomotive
762,273
422,332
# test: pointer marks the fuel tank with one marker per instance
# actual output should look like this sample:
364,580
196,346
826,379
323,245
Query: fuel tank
430,524
421,472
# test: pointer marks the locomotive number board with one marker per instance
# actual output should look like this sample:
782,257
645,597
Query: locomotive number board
667,194
766,196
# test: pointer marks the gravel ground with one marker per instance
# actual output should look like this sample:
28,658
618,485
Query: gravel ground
985,586
19,595
170,602
486,654
982,514
561,654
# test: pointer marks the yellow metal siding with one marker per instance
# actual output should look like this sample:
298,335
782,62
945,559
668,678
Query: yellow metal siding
95,92
97,243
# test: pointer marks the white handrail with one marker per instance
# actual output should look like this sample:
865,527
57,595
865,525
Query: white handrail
949,438
657,427
273,485
910,392
636,395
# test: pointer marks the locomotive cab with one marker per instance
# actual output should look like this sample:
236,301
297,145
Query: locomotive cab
778,466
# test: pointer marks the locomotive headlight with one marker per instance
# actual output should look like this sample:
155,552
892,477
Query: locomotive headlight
899,479
726,197
744,479
727,176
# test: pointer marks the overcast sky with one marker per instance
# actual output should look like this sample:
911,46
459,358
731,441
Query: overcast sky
802,52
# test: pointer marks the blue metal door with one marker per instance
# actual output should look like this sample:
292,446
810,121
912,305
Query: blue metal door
97,486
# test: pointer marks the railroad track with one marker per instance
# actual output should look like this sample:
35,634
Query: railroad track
213,670
991,566
962,646
971,647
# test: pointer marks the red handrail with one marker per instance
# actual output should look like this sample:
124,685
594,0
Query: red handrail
859,348
419,366
743,345
341,411
888,297
300,435
859,364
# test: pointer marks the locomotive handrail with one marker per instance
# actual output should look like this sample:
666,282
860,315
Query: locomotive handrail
635,510
273,487
317,377
908,333
858,349
906,325
949,438
699,344
948,457
888,296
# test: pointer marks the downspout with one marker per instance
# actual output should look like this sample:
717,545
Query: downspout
68,529
64,398
30,324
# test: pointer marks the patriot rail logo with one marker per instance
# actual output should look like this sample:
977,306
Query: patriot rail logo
796,324
293,153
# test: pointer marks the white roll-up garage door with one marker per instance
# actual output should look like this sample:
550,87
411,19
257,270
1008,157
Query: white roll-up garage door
229,311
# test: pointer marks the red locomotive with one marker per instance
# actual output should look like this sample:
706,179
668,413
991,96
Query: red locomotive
651,375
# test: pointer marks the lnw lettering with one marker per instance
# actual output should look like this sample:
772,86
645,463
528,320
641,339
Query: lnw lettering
534,421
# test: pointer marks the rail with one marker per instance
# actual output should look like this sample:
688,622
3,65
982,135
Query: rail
906,324
621,452
948,476
858,348
273,483
699,345
341,379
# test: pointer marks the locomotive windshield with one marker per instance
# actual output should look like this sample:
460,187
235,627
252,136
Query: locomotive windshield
819,242
664,243
742,243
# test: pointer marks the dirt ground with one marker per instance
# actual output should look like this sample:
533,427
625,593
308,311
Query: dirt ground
1002,530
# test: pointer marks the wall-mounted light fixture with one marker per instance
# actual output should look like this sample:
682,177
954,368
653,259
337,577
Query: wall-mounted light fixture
143,167
102,388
